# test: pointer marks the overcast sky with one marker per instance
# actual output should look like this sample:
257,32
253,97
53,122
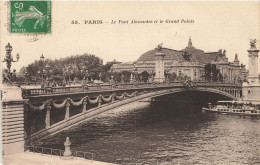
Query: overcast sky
226,25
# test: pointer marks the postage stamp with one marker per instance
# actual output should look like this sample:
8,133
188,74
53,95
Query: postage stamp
30,17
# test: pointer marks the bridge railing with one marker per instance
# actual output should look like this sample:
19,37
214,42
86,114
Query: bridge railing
98,87
82,88
60,153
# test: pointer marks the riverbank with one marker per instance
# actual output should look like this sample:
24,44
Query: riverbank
29,158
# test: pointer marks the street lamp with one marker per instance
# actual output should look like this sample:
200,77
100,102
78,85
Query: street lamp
85,73
42,63
47,71
195,75
211,76
9,59
204,77
68,70
167,74
135,71
26,74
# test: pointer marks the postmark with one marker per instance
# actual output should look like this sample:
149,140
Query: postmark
30,17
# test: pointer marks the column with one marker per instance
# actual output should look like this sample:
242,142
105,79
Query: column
253,63
159,65
48,116
67,113
99,101
84,107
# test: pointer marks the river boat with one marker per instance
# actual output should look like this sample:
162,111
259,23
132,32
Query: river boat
235,107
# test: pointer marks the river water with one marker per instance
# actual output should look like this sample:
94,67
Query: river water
171,131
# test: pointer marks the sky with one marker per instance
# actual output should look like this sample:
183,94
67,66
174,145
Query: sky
226,25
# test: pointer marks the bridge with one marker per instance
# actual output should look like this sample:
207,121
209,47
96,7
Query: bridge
51,110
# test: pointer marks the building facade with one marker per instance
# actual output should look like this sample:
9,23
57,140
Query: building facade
190,62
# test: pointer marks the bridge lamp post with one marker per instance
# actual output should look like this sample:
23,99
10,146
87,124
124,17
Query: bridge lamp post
218,77
112,77
42,66
132,77
167,75
135,71
26,74
195,75
64,79
85,73
100,76
48,71
9,59
179,77
211,76
204,77
152,75
69,71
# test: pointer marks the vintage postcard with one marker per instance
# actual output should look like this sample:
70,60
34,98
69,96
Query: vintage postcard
127,82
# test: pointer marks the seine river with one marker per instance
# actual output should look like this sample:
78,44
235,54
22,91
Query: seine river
172,131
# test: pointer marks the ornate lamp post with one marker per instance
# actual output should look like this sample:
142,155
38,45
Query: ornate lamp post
100,76
85,74
152,77
42,66
211,77
179,77
135,71
218,77
112,77
9,59
204,77
167,75
195,75
69,70
48,71
26,74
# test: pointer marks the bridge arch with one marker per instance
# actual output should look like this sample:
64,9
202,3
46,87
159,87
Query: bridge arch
209,90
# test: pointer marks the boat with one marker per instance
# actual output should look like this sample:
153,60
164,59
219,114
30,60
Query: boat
235,107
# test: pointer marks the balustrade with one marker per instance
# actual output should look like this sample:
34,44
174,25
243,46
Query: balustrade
87,88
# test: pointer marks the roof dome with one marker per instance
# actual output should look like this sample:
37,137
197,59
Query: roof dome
177,55
170,54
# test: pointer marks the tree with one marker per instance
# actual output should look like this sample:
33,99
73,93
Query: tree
60,67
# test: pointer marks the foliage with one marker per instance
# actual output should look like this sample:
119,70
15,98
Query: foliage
69,67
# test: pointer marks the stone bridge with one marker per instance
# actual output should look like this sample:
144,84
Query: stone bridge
49,111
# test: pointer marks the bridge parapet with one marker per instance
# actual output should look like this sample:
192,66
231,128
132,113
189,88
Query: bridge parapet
48,91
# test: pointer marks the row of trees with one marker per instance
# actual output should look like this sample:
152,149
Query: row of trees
69,68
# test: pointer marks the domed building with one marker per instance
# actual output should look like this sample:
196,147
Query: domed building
189,62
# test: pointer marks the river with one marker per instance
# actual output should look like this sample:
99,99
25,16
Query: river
171,131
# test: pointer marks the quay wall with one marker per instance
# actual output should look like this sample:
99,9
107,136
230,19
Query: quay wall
13,133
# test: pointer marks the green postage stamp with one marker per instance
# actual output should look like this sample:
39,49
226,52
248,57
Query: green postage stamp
30,17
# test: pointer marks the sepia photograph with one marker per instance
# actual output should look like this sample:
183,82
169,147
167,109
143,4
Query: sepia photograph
127,82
